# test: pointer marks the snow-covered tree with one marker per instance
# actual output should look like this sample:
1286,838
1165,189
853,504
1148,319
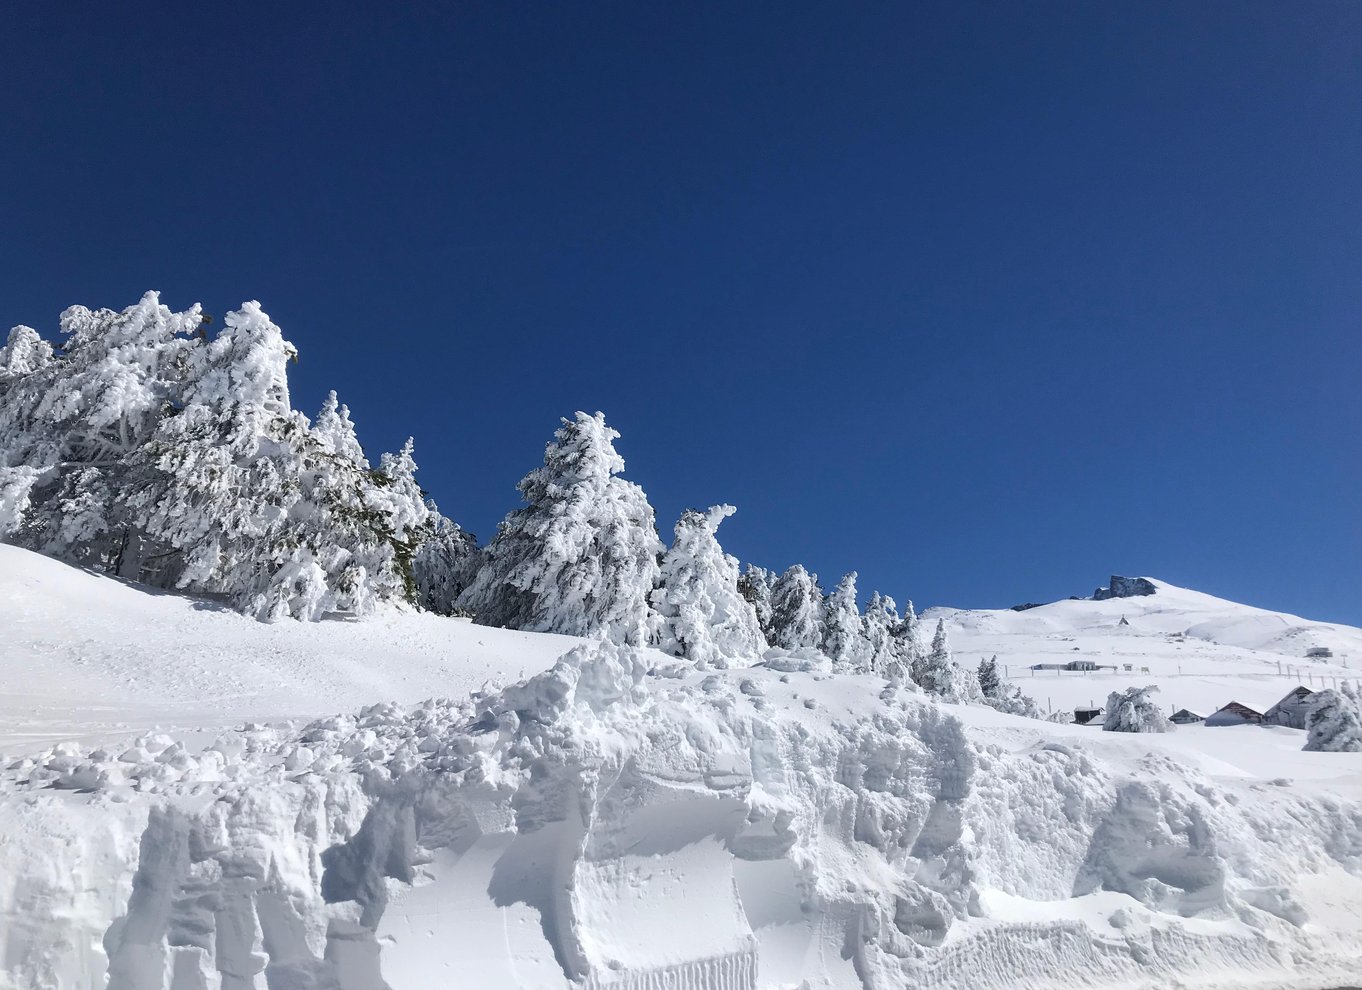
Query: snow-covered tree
1335,721
147,449
444,564
990,684
24,352
581,556
907,640
755,586
69,424
797,610
937,673
931,670
703,615
883,648
1132,710
844,638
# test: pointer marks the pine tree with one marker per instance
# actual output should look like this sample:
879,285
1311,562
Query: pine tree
937,673
755,586
147,449
444,564
881,626
990,684
907,642
704,617
1132,710
930,671
843,634
69,424
797,610
1335,722
581,556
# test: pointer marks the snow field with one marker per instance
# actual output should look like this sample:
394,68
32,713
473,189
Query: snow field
616,818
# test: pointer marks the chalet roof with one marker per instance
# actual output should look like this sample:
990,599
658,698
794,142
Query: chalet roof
1239,709
1187,711
1293,699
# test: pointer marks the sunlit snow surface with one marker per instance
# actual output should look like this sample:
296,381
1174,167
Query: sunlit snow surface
618,820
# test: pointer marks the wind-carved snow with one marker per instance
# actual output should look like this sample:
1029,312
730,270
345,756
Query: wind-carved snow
613,822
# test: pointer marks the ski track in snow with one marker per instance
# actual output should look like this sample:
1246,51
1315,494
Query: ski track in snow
190,799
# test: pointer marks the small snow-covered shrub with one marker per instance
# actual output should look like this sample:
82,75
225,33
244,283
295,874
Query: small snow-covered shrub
1132,710
1335,722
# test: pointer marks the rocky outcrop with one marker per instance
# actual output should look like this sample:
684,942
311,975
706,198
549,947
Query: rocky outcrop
1125,587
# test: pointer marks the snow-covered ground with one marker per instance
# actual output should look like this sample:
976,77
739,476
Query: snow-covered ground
171,815
1202,652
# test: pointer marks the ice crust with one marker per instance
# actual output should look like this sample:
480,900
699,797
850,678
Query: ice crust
613,823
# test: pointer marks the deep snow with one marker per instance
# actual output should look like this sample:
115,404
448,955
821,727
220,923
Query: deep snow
616,818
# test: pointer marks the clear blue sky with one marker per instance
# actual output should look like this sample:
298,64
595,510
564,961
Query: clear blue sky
985,300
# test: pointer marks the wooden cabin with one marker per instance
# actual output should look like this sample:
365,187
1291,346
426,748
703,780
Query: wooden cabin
1185,716
1235,714
1293,711
1085,715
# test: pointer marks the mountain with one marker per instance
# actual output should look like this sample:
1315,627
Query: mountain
191,798
1200,650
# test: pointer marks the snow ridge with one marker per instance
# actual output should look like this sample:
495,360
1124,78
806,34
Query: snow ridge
620,822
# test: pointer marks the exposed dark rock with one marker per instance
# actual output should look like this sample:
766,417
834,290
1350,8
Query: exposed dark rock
1125,587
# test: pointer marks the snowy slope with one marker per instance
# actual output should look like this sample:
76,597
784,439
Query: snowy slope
81,654
615,819
1201,651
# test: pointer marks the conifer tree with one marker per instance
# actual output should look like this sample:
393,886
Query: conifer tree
844,639
797,610
907,640
990,684
147,449
703,616
1335,722
444,564
581,556
755,586
883,648
937,673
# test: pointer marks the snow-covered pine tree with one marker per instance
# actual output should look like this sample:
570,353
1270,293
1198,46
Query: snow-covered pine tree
703,616
219,483
844,639
70,422
1000,695
146,449
907,641
444,564
936,672
931,670
581,557
881,624
1335,721
25,353
797,610
755,586
1132,710
990,684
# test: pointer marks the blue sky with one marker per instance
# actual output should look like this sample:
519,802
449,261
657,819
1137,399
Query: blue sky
986,301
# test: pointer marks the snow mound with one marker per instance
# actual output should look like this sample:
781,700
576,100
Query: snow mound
611,823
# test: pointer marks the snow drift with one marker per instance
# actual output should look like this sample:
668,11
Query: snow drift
623,821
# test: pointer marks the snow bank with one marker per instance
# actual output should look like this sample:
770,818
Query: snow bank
615,823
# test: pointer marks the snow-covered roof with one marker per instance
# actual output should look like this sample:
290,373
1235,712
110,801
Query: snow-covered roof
1294,699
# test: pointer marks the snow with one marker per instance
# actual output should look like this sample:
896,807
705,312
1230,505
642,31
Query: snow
190,799
1201,651
84,655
